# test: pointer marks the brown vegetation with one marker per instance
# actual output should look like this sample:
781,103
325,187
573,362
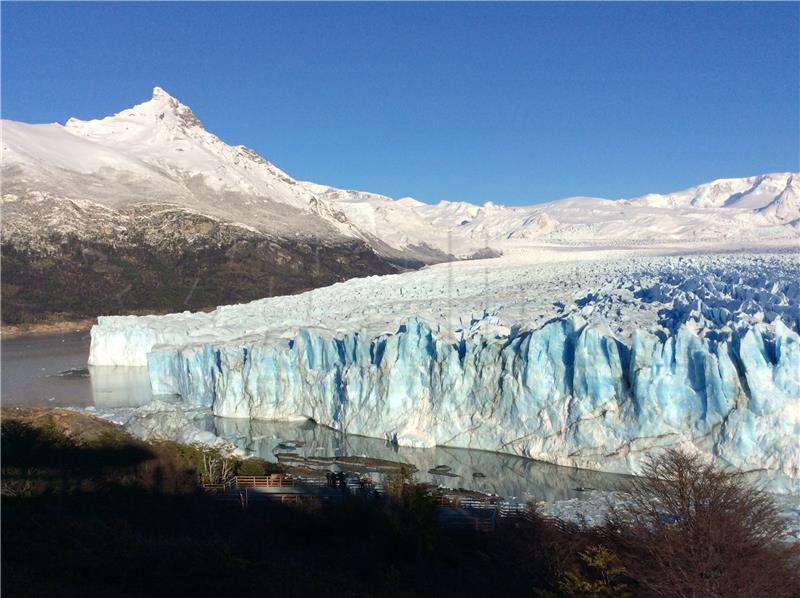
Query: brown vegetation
50,325
155,266
89,510
692,529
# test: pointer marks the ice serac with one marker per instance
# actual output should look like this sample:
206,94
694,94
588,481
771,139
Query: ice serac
568,393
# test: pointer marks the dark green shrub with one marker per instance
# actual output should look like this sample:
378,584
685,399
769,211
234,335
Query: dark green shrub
251,467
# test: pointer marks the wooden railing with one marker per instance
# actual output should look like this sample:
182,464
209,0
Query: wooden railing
285,481
268,481
505,510
463,502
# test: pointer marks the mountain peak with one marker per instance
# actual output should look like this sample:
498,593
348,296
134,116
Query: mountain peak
163,102
161,93
160,117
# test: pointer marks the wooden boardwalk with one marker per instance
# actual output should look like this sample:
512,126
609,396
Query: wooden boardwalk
459,513
279,488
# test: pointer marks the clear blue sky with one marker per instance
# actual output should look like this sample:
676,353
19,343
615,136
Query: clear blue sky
514,103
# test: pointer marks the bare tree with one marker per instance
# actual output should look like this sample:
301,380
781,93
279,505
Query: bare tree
692,529
216,468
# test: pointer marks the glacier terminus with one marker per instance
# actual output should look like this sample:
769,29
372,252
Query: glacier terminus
589,360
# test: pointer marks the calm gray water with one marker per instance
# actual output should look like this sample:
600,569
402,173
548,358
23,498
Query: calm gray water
30,377
51,371
506,475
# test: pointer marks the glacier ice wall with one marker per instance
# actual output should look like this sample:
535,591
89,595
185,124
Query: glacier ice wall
568,393
575,362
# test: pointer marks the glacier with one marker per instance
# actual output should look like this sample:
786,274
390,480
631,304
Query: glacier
700,352
568,393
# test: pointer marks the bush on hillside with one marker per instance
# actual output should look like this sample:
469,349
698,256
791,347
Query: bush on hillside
693,529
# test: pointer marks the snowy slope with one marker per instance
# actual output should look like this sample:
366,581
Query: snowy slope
157,152
786,205
749,193
725,212
165,135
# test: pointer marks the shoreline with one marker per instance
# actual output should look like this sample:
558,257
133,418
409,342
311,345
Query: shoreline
62,326
14,331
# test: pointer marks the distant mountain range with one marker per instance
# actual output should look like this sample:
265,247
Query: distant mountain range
146,210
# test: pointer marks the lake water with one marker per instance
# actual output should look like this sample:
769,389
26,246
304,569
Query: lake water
32,370
32,367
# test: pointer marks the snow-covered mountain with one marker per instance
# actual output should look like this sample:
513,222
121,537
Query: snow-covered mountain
158,152
145,210
90,196
723,211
